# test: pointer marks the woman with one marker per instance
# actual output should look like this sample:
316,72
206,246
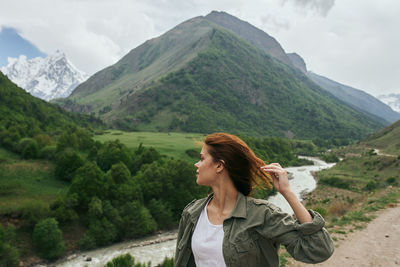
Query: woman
228,228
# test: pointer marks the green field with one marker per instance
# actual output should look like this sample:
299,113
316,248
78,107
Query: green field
23,182
169,144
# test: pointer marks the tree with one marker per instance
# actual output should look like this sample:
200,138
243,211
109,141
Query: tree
137,220
111,153
161,213
68,161
47,238
141,156
173,182
66,140
89,182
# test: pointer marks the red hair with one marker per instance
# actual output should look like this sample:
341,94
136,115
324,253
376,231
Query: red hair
242,164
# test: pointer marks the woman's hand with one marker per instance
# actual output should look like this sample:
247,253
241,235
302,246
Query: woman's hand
281,183
279,177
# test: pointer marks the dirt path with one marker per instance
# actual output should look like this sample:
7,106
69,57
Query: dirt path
377,245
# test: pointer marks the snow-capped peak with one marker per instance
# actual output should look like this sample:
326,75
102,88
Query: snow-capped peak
47,78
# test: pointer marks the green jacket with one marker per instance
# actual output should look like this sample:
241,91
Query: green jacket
253,234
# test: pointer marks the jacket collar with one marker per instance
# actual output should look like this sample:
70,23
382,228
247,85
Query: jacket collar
239,211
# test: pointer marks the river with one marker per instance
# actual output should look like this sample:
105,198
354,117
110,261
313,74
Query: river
157,247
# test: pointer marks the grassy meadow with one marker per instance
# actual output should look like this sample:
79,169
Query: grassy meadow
170,144
23,182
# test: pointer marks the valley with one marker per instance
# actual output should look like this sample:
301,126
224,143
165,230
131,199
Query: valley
113,162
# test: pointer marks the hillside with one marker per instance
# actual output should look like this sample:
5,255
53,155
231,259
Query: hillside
359,99
23,115
356,98
144,64
199,77
386,140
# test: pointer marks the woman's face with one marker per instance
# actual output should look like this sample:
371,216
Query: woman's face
206,168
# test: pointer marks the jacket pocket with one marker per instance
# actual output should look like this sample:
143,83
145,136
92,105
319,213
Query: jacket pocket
245,246
247,252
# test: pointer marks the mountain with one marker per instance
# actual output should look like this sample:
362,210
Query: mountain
255,36
202,77
366,103
46,78
392,100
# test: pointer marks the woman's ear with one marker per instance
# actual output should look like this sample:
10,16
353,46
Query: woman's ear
220,166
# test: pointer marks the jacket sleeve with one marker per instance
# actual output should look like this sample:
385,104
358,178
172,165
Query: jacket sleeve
180,234
308,242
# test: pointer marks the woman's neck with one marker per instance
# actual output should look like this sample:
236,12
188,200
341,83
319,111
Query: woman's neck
223,201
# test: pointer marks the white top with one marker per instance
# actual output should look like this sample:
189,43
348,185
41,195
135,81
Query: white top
207,242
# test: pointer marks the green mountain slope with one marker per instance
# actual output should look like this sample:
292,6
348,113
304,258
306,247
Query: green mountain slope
200,77
234,87
140,67
360,100
24,115
357,98
387,140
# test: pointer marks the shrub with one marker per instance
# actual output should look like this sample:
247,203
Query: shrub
9,255
47,238
391,180
335,182
339,208
125,260
87,241
33,212
168,262
62,212
321,211
371,185
43,140
48,152
28,148
193,153
330,157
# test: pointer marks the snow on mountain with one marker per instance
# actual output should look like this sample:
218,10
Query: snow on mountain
46,78
392,100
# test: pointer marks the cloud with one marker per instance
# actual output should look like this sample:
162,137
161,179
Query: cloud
93,34
322,7
353,42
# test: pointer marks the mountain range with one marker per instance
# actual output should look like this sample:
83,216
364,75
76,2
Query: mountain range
46,78
392,100
357,98
217,73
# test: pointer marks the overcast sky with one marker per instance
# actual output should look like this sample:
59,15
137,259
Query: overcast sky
355,42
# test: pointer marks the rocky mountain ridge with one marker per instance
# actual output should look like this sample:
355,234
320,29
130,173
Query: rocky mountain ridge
46,78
